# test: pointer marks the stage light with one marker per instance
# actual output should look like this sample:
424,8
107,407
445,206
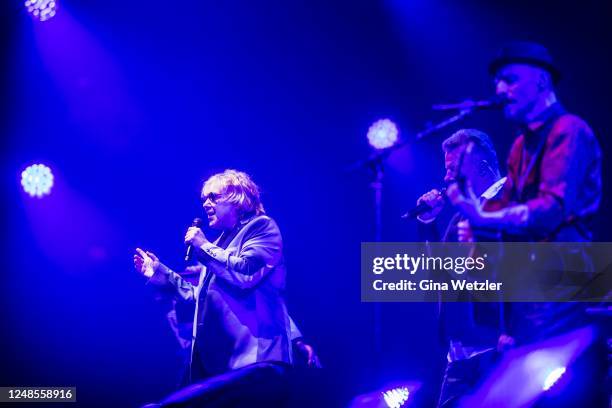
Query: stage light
41,9
395,394
37,180
395,397
383,134
552,378
528,373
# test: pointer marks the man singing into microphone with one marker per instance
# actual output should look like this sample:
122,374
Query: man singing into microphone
240,320
478,167
471,330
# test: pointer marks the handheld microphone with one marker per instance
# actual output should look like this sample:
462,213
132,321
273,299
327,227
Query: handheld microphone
495,102
421,208
197,222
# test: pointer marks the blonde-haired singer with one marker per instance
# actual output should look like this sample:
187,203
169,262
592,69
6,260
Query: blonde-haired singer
240,314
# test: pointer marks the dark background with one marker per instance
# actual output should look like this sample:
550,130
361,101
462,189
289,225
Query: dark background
133,104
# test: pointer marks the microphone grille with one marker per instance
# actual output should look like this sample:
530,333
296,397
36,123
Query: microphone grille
197,222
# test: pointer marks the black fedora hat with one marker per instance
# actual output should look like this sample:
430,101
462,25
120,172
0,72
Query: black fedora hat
525,52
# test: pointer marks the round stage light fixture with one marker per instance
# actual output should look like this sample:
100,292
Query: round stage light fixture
396,397
42,10
37,180
383,134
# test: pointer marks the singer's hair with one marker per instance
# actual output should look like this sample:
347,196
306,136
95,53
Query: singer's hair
482,142
237,188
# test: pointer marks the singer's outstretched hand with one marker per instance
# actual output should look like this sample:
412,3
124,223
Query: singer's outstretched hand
435,200
195,237
145,262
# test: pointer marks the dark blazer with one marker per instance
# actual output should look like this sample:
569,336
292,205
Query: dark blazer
240,314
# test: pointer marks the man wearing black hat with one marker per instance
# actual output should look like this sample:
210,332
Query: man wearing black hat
554,166
553,185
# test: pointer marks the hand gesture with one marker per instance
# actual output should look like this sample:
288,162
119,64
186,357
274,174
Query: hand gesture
145,262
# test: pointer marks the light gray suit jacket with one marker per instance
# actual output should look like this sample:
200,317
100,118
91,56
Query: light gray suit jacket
241,318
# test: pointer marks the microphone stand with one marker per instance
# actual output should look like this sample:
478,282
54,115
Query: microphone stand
377,186
375,162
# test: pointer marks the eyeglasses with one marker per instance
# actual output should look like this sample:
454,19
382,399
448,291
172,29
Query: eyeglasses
212,197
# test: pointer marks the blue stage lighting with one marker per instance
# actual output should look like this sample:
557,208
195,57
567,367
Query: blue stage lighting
41,9
552,378
396,394
383,134
396,397
37,180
